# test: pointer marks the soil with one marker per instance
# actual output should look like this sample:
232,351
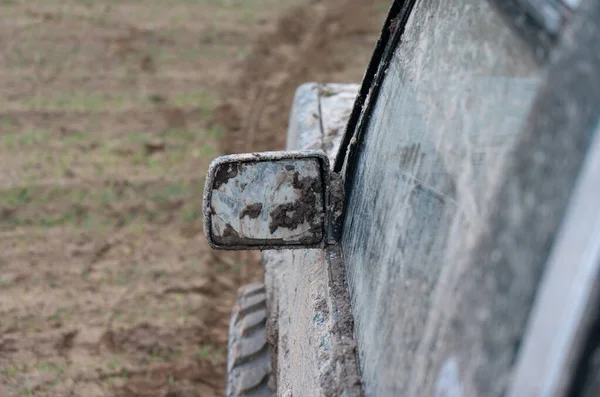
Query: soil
110,113
325,42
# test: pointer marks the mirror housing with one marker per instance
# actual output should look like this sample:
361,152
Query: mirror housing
270,200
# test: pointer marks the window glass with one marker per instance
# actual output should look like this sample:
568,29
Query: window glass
452,104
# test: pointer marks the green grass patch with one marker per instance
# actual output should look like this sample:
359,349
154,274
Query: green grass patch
80,102
25,139
199,99
208,352
37,138
123,277
88,101
58,318
165,354
51,366
115,203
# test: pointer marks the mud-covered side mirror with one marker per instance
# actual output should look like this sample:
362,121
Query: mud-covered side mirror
267,200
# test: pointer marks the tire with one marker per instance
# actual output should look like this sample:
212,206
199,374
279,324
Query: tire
248,361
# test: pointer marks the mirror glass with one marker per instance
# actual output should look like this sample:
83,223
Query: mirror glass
266,203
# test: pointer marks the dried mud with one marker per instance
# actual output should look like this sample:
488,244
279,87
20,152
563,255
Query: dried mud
291,215
107,126
252,211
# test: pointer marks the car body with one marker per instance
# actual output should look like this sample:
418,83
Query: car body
464,260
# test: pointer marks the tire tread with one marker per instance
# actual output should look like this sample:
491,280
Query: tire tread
248,362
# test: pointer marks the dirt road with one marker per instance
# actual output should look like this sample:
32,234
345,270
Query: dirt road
110,112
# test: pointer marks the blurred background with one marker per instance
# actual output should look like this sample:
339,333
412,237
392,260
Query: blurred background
110,113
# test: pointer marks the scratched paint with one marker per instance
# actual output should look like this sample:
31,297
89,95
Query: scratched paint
268,202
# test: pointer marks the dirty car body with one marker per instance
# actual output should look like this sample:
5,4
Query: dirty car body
453,249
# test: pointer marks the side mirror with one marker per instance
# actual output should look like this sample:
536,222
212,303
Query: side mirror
267,200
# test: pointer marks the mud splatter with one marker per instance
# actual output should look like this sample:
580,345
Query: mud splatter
224,173
304,209
230,232
252,210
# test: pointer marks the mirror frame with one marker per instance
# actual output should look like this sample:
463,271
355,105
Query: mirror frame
259,157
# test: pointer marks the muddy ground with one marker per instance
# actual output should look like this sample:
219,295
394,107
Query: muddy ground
109,114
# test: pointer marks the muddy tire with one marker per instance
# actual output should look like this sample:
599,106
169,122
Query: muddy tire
248,360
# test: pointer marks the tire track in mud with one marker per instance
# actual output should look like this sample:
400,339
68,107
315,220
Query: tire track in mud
327,42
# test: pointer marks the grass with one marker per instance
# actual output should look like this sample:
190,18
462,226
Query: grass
9,371
114,363
59,317
123,277
30,323
90,206
20,140
165,355
40,155
84,101
5,283
197,99
208,352
51,366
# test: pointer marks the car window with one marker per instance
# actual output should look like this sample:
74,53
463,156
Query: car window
452,103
